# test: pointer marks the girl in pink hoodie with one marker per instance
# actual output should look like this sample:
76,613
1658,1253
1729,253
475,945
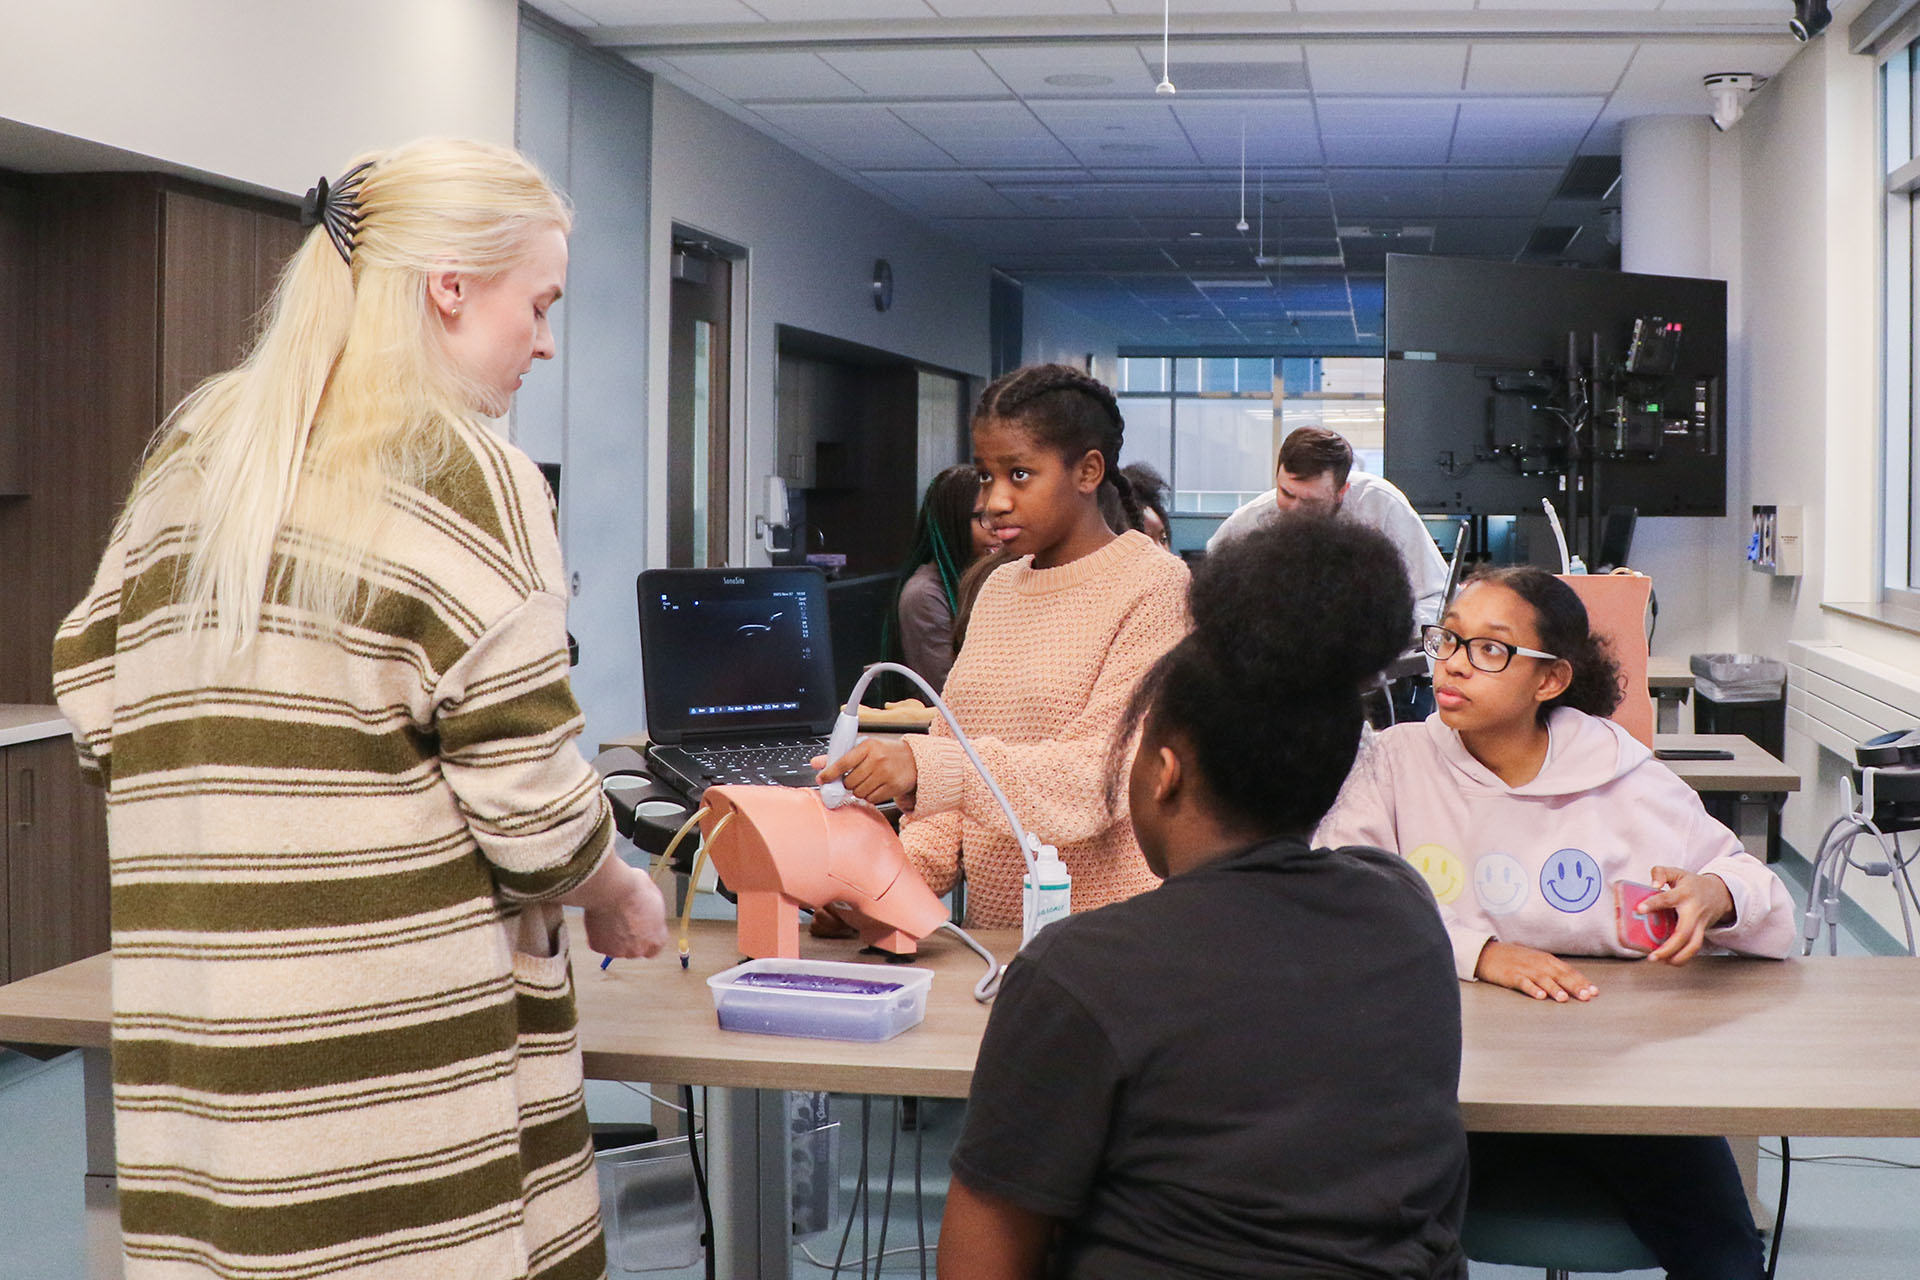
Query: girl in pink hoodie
1523,808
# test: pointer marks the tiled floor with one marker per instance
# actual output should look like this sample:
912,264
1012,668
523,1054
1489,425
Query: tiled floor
1853,1210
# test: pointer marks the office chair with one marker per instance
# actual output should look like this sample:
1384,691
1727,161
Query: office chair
1617,613
1547,1216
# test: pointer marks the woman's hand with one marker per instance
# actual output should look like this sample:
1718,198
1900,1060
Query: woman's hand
1540,974
626,916
876,769
1700,903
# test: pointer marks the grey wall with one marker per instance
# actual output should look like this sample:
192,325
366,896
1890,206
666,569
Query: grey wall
586,120
810,240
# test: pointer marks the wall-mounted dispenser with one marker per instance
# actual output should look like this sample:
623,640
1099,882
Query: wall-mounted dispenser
1775,545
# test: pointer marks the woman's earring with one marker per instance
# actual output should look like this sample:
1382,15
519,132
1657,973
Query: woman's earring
452,311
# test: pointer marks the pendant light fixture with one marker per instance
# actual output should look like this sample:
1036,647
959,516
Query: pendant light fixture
1166,39
1241,226
1260,256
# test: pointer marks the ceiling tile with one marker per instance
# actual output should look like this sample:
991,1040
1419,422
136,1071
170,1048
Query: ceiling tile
1014,8
986,133
1373,193
1422,116
917,73
1499,191
1542,67
1481,237
860,137
628,13
1364,6
1561,6
1522,131
1111,69
1387,66
1151,120
748,77
1387,149
836,10
942,194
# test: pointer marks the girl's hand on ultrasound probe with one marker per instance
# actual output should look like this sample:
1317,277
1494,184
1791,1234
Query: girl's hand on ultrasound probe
876,770
1700,903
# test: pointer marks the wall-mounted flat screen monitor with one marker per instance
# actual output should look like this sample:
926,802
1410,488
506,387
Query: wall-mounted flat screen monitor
1502,380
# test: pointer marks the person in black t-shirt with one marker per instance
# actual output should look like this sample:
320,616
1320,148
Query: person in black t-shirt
1252,1070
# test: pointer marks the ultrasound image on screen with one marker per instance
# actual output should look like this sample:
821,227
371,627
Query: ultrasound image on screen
728,658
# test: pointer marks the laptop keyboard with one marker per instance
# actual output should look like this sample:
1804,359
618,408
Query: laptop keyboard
778,762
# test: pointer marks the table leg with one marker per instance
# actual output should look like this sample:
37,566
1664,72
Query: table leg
749,1181
104,1255
1666,710
1751,812
1746,1154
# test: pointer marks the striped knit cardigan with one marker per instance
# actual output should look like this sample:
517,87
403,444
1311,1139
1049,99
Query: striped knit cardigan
330,1056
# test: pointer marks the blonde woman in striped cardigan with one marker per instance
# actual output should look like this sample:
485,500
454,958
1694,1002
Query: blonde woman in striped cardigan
322,675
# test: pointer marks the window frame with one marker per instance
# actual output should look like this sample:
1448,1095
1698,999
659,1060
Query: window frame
1174,393
1898,133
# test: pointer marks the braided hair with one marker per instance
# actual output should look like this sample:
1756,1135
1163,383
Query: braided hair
1290,625
1069,411
1561,619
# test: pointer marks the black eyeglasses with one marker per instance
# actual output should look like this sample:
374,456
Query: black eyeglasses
1483,652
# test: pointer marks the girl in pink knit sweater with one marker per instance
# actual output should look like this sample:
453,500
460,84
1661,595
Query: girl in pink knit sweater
1057,642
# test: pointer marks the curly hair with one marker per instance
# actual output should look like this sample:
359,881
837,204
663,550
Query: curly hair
1070,411
1290,624
1597,685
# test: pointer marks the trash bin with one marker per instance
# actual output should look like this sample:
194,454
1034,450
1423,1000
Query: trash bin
1741,693
1746,694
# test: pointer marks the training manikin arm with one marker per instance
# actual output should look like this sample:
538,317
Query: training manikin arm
1058,787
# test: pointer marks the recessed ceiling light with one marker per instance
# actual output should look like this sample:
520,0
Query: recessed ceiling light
1078,80
1195,233
1127,146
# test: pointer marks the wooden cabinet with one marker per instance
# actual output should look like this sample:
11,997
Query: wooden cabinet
16,408
53,882
138,287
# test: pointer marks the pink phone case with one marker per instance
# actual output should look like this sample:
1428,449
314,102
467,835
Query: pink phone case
1641,932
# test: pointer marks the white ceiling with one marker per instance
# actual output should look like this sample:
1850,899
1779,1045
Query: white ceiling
1030,130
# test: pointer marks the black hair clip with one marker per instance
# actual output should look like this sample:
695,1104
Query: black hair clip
337,208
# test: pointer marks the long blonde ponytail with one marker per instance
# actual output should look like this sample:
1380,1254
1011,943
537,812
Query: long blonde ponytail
347,391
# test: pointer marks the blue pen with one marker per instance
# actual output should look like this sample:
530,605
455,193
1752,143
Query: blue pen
605,961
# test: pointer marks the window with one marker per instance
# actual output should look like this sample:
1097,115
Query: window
1901,166
1213,424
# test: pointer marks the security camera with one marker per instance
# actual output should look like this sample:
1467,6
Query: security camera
1728,92
1810,18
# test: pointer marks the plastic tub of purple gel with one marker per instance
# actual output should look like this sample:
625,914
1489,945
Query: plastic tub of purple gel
820,999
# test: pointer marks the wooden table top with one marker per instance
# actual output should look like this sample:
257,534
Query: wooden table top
1669,673
1752,768
1824,1047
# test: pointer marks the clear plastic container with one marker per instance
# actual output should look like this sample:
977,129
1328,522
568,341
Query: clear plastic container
822,999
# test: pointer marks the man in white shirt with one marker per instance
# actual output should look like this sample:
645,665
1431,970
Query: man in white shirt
1315,471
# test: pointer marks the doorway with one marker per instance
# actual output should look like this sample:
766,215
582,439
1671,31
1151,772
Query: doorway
699,401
